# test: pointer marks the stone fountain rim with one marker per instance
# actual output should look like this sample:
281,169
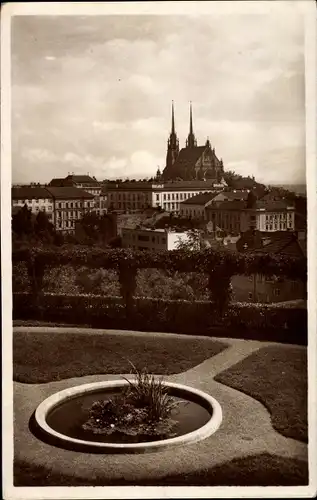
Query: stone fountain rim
184,391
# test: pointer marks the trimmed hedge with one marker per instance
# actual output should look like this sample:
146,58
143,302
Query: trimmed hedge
219,266
240,320
178,260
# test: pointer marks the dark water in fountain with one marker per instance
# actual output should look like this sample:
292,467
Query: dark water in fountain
68,418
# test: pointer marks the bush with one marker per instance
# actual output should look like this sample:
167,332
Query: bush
241,320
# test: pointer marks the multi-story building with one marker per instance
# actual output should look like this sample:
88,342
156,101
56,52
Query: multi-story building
64,205
133,196
69,205
152,239
235,217
35,198
88,184
259,288
195,207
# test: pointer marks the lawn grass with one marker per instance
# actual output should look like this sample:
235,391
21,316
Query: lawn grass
44,356
256,470
277,377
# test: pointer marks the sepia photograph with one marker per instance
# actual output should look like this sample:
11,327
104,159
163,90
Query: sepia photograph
158,205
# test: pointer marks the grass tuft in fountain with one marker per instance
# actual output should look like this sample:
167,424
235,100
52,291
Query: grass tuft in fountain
143,409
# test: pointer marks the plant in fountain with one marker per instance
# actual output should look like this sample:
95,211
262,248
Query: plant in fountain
143,409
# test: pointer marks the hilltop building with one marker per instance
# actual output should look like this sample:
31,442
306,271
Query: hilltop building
192,162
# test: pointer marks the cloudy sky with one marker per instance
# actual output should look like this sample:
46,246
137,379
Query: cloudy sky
93,93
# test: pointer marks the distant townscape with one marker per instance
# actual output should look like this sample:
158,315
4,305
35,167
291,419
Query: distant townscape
193,202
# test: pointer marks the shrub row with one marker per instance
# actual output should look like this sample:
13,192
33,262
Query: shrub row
241,320
207,260
219,266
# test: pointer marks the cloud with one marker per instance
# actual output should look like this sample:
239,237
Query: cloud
95,93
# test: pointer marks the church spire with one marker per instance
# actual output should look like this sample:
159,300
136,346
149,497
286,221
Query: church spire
173,120
191,140
172,143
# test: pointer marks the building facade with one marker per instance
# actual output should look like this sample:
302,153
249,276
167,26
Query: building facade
35,198
233,216
195,207
88,184
69,205
134,196
151,239
263,289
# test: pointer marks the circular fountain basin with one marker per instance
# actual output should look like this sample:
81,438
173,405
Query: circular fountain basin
59,418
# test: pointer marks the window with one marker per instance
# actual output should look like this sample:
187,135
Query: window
153,239
176,196
168,196
143,237
157,197
276,292
181,196
164,197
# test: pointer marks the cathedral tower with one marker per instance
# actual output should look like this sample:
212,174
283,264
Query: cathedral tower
172,143
191,139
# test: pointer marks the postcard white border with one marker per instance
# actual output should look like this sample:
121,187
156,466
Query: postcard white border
152,8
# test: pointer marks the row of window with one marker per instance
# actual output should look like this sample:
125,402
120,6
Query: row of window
178,196
74,204
130,206
141,196
194,212
282,226
128,196
171,206
68,224
147,238
274,217
69,215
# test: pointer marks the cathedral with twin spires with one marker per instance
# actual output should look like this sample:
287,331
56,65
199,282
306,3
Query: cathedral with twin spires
191,162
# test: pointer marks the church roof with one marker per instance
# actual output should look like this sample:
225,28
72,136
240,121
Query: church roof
188,157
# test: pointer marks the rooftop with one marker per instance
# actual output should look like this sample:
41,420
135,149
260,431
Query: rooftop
29,193
83,179
278,242
69,193
200,199
227,205
60,182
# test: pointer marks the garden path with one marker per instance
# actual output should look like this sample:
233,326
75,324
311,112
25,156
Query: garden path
246,429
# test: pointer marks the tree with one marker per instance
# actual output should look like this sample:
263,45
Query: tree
22,222
43,228
194,241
